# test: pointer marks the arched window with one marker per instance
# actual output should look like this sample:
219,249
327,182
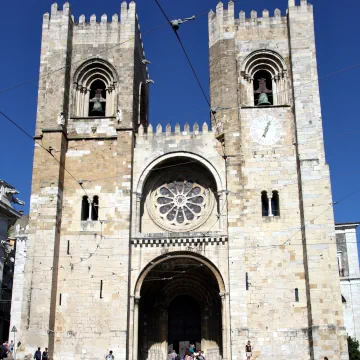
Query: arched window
263,88
265,79
275,204
95,89
264,204
85,208
270,206
97,105
95,209
90,209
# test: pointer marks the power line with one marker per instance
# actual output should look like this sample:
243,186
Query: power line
86,58
75,62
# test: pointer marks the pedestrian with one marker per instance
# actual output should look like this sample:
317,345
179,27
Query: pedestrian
45,354
3,351
248,350
11,346
37,355
110,356
192,348
173,355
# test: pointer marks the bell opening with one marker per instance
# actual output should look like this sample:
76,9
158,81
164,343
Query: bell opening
97,104
263,94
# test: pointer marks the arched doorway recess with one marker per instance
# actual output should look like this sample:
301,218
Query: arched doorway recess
179,301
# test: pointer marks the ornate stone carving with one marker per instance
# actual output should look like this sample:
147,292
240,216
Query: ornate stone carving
180,205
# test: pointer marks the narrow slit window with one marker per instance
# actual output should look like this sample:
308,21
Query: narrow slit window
60,296
275,203
68,248
296,295
101,289
85,208
95,209
264,204
247,281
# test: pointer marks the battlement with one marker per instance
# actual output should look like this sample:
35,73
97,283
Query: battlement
127,11
159,130
106,29
223,24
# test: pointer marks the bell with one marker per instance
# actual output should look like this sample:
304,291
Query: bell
263,100
97,108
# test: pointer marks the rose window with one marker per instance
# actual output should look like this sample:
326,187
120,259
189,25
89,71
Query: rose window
181,205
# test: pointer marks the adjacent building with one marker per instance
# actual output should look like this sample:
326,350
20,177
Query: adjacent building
8,217
348,262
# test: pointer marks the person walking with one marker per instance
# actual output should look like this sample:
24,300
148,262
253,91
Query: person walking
110,356
45,354
37,355
11,346
248,350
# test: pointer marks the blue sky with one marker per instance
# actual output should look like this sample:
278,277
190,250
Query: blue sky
175,96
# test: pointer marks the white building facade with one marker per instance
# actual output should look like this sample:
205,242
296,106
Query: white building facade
348,260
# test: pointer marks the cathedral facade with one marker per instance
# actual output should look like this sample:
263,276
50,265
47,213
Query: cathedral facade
145,239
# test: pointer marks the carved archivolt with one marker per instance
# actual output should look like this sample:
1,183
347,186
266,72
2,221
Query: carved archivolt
273,63
88,73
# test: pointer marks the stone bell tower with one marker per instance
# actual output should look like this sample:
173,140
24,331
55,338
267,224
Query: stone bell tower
93,94
265,96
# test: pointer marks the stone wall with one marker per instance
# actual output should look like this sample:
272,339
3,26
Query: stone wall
293,250
76,296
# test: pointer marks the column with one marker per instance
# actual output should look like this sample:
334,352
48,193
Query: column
275,91
136,327
90,209
225,345
270,204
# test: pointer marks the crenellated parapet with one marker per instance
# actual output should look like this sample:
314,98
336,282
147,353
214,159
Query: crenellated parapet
159,130
224,25
104,29
128,11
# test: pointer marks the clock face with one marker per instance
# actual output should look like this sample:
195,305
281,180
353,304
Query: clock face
265,130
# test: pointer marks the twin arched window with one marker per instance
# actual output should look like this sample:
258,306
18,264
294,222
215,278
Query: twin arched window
266,80
90,208
95,89
270,206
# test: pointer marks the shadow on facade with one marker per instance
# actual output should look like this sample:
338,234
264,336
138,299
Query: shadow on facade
180,304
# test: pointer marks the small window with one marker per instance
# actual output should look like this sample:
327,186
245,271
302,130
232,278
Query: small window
97,105
95,209
275,204
85,208
296,295
264,204
263,94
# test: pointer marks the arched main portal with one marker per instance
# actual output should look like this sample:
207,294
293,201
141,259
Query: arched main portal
179,304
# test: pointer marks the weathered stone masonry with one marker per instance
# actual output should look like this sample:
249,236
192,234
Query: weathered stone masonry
180,209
